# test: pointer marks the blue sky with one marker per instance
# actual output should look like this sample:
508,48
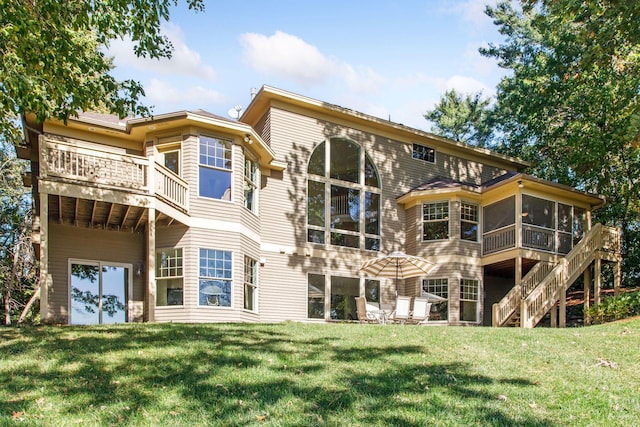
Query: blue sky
390,59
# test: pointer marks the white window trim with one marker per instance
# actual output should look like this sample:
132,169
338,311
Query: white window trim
100,264
170,145
448,296
231,170
328,182
165,307
435,153
422,221
477,222
231,280
255,286
477,301
256,184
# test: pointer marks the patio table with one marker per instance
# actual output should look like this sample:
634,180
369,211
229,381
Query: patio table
383,315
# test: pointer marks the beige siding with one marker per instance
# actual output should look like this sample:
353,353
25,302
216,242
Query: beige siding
67,242
263,127
413,216
283,210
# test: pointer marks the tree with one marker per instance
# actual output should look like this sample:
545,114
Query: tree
53,55
571,103
462,118
54,65
17,262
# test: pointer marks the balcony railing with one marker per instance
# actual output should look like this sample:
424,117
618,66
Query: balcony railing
500,239
538,238
99,167
171,187
117,171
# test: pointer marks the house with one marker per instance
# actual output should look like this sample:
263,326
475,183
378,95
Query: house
192,217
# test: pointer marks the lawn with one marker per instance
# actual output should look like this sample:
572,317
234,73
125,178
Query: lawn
294,374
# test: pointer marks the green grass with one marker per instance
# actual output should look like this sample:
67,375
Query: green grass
319,375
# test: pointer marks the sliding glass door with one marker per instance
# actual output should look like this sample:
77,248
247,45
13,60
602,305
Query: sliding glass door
99,292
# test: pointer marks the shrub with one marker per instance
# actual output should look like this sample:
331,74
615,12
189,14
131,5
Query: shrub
615,308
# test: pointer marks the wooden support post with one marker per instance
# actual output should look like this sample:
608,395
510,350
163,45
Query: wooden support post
44,258
554,316
587,291
151,265
518,273
617,277
524,315
563,308
597,279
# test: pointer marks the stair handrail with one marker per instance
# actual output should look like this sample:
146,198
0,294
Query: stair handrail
545,295
535,275
505,308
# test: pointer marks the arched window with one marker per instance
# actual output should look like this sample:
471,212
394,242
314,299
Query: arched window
343,196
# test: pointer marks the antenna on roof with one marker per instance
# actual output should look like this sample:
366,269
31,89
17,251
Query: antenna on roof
234,112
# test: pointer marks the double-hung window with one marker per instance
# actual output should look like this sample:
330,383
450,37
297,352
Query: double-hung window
250,283
437,292
435,221
469,289
469,222
215,273
215,168
250,184
169,281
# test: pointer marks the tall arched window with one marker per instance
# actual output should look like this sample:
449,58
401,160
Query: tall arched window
343,196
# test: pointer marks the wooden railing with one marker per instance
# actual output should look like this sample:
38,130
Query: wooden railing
538,238
535,276
171,187
510,303
540,288
119,171
546,294
101,167
503,310
497,240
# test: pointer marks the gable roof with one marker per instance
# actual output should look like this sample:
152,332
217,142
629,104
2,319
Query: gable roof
268,96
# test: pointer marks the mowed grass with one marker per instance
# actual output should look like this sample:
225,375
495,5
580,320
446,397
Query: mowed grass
294,374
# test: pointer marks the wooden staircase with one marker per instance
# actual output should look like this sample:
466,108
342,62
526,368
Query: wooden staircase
540,289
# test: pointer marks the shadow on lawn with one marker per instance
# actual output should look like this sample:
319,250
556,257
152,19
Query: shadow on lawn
230,374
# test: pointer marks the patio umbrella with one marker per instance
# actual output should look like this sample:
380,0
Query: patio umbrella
433,297
397,265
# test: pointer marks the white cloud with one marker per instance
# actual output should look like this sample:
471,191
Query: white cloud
287,56
465,84
184,61
166,96
363,80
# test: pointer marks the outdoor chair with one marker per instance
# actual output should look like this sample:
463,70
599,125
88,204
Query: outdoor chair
364,315
421,311
403,309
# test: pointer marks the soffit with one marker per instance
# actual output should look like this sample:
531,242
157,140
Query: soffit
499,188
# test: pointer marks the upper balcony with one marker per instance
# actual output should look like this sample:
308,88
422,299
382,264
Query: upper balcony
94,169
533,222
